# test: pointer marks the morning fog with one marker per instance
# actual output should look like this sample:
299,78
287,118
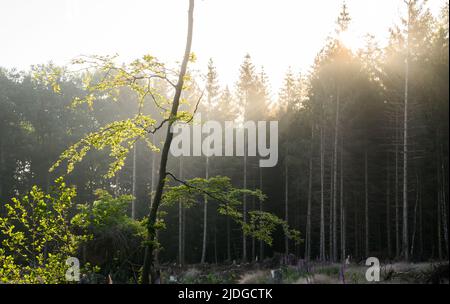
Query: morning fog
211,138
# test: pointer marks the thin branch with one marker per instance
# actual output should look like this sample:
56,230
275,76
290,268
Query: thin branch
195,188
196,106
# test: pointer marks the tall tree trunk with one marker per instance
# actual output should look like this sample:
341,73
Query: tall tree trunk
444,203
2,164
322,207
253,239
330,217
215,242
413,237
308,207
388,209
228,240
439,217
405,150
420,230
342,205
133,188
397,215
152,189
261,243
205,206
205,216
286,200
366,204
147,269
356,234
336,137
244,202
180,219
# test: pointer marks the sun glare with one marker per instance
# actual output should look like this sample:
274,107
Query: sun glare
351,40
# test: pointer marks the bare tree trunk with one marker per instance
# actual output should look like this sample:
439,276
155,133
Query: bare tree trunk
413,237
388,209
439,216
183,238
341,198
228,240
444,203
133,188
420,229
253,238
330,218
308,208
356,234
244,202
286,199
322,209
215,242
397,215
147,268
180,219
2,164
336,137
366,204
205,216
261,243
405,151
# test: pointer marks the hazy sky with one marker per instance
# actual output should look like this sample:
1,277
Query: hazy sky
276,33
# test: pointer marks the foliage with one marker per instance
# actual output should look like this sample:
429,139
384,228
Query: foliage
103,79
115,236
37,237
261,224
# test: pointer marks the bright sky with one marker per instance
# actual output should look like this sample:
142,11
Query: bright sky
276,33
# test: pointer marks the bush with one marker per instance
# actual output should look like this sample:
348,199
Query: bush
36,236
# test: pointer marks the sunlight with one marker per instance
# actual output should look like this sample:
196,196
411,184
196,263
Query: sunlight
351,40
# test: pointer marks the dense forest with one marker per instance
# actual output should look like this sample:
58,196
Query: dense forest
362,160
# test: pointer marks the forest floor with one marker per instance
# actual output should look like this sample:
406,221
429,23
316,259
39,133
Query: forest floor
312,273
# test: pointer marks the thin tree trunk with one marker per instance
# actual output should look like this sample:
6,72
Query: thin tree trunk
322,209
420,229
183,238
388,209
342,205
438,215
180,219
253,239
147,269
228,240
215,242
286,200
336,137
308,208
205,216
366,204
356,234
330,218
397,215
133,188
405,151
244,202
413,237
261,243
444,203
2,164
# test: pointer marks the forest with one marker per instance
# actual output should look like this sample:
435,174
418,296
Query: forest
88,180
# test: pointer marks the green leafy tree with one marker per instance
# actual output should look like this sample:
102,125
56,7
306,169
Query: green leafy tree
37,237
